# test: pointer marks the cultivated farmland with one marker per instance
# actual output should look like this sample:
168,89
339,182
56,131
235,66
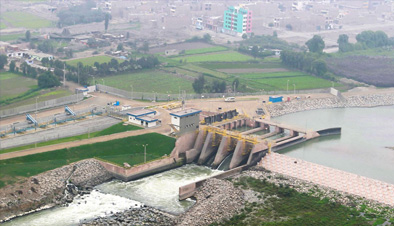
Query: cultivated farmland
89,61
13,85
26,20
229,56
149,81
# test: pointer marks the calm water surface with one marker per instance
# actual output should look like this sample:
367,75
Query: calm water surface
360,149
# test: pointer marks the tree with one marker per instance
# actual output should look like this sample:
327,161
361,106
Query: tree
343,43
271,24
3,61
255,51
316,44
207,37
198,84
48,80
58,72
120,47
128,35
45,61
27,35
218,87
244,36
289,27
145,47
320,67
275,34
12,66
235,84
106,22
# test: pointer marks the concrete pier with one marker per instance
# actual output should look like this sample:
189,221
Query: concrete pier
325,176
206,150
238,155
222,151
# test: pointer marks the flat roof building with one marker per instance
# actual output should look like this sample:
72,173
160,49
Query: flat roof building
143,117
185,121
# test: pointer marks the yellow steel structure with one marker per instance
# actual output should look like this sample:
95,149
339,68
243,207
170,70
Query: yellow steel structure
232,134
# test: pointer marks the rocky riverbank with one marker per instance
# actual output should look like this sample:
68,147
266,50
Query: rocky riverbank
293,106
136,216
48,189
318,191
216,200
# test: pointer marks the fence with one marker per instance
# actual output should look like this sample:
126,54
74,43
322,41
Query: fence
167,97
41,105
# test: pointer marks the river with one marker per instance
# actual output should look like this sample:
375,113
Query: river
159,191
360,149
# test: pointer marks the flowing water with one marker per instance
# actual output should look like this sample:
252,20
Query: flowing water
360,149
159,191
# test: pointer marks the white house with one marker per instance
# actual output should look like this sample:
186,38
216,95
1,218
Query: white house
185,121
143,117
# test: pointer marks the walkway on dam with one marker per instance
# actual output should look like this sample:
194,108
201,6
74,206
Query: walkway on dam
325,176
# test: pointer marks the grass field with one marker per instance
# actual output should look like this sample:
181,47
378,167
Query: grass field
205,50
91,60
149,81
196,68
43,95
110,130
13,85
229,56
214,66
26,20
6,38
2,25
282,205
127,149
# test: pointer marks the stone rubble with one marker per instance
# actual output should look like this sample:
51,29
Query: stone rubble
135,216
216,200
48,189
293,106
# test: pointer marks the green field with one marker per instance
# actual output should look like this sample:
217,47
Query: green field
91,60
127,149
13,85
229,56
26,20
196,68
43,95
149,81
214,66
6,38
205,50
2,25
110,130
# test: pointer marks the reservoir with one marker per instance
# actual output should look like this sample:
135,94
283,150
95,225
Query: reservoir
360,149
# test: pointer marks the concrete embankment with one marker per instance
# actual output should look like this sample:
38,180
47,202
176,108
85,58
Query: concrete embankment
48,189
341,181
371,100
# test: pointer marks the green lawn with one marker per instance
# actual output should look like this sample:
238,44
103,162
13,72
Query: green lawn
196,68
229,56
6,38
110,130
13,85
26,20
287,74
205,50
91,60
282,205
149,81
43,95
280,83
214,66
2,25
127,149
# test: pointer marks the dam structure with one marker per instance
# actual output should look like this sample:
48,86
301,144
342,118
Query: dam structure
223,146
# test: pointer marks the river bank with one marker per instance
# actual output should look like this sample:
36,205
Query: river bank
368,100
48,189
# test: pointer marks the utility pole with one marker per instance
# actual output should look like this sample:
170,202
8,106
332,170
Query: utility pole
35,117
131,94
78,73
294,88
287,86
145,152
64,76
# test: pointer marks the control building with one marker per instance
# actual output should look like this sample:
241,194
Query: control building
143,118
185,121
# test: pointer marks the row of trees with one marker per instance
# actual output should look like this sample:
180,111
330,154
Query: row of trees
201,85
308,62
81,73
365,40
81,14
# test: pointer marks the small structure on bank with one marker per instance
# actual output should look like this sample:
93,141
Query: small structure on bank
185,121
143,117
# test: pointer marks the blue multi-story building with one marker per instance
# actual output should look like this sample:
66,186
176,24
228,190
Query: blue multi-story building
237,19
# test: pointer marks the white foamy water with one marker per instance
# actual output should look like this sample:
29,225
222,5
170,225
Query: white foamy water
82,208
161,190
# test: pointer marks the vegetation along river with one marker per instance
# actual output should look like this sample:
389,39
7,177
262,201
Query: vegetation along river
363,146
